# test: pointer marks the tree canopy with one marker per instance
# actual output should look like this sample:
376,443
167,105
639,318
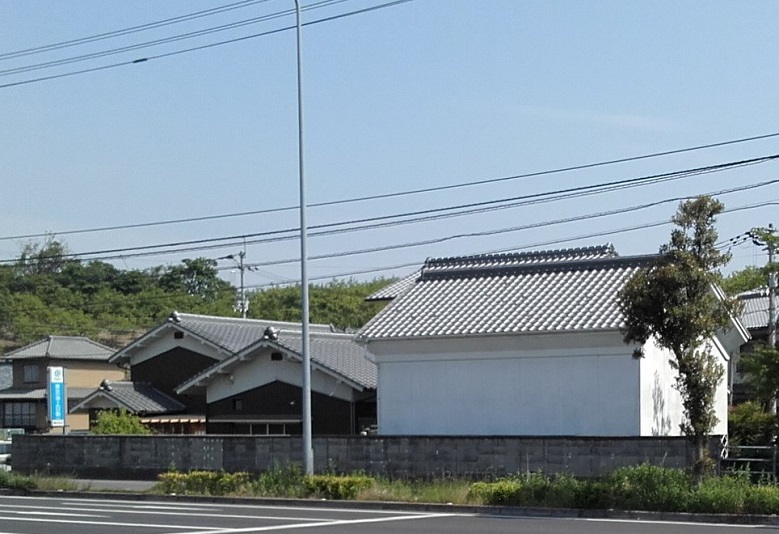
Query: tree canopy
47,291
676,303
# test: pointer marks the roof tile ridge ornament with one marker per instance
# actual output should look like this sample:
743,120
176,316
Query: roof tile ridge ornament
574,264
606,250
271,333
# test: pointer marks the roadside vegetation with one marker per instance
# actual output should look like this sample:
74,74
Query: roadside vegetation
643,487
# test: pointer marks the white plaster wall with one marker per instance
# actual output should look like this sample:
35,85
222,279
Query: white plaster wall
538,389
661,405
260,370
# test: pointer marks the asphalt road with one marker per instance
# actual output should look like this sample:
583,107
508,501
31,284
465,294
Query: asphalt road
44,515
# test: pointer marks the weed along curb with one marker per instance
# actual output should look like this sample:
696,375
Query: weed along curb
508,511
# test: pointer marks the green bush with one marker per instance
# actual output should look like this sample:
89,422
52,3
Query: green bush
648,487
118,422
281,481
202,483
337,487
504,492
17,482
749,424
762,500
721,495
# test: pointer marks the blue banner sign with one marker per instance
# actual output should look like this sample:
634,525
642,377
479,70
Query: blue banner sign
56,396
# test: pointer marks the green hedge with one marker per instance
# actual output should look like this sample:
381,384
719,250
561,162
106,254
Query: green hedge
280,482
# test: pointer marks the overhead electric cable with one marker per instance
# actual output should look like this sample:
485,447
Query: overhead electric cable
202,47
419,263
130,30
484,233
406,218
683,173
162,40
239,240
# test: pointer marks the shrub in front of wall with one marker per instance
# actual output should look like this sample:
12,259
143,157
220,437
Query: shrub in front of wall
762,499
202,483
504,492
721,495
649,487
281,481
13,481
336,487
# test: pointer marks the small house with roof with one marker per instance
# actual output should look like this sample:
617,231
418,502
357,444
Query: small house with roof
755,317
525,344
86,364
242,376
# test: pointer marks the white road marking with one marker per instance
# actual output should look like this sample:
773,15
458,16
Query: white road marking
59,514
336,522
103,523
667,522
159,512
251,506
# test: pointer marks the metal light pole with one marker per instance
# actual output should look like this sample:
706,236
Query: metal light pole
308,449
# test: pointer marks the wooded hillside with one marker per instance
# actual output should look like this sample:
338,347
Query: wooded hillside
46,292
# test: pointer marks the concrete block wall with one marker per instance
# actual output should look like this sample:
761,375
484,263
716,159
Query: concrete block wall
144,457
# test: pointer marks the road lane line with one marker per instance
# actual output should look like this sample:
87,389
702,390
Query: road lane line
58,514
158,512
334,523
197,529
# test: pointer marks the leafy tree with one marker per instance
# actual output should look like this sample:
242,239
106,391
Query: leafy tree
761,371
675,303
750,277
339,303
750,424
197,277
44,257
118,422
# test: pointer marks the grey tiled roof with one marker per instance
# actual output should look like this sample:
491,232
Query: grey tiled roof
335,352
230,334
338,353
494,260
755,312
40,393
63,348
137,397
538,292
394,289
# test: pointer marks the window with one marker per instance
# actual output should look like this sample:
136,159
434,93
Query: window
276,356
178,335
20,414
237,405
31,374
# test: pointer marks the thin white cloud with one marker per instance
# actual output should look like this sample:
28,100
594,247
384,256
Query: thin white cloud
618,120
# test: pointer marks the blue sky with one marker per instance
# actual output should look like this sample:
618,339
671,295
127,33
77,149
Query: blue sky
424,94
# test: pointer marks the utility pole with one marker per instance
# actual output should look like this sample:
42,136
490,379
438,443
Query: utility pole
765,237
308,447
243,303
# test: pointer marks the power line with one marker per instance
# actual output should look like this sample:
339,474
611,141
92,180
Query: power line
408,245
498,231
398,193
161,41
202,47
128,31
671,175
411,217
535,245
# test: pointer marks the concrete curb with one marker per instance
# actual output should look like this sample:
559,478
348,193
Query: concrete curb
679,517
